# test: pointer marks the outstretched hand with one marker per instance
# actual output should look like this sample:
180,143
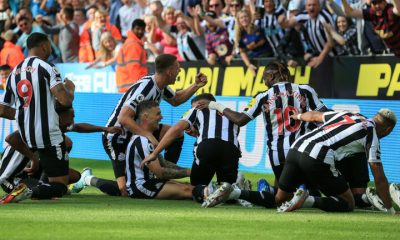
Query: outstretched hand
114,129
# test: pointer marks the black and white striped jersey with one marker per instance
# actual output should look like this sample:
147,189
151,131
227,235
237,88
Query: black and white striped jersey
145,89
341,135
12,164
277,104
272,30
139,148
212,125
314,29
190,46
28,91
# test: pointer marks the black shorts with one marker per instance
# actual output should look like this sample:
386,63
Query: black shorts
215,156
147,189
116,152
354,168
54,160
300,168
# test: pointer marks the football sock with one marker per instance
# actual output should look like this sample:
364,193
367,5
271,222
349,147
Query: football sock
264,198
309,202
108,187
331,204
198,193
361,200
49,190
173,151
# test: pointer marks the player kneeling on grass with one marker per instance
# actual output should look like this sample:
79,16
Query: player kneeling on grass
13,167
217,152
311,160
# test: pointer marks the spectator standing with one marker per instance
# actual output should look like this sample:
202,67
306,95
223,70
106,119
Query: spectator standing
80,18
272,23
131,59
313,19
127,14
385,20
218,46
252,42
68,35
11,54
108,52
90,38
5,70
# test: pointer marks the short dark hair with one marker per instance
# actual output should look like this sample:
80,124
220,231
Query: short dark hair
5,67
69,12
164,61
203,96
144,106
138,22
24,18
36,39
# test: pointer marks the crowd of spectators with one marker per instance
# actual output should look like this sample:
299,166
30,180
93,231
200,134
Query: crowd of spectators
297,32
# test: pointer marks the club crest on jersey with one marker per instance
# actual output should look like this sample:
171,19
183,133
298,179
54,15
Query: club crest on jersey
150,147
140,97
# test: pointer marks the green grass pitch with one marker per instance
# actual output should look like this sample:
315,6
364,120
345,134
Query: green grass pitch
93,215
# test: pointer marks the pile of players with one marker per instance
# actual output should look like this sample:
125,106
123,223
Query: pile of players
312,150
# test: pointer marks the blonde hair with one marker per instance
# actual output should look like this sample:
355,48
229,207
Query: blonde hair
388,115
104,53
238,28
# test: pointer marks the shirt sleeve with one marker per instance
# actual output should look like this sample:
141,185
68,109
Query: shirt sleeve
367,14
55,76
254,107
329,115
168,93
190,116
372,147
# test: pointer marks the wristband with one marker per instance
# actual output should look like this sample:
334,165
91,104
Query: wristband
216,106
299,116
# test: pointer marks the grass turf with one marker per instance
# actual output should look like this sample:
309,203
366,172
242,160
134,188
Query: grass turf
93,215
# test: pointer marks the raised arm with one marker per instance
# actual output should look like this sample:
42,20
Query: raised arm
396,9
350,12
90,128
183,95
238,118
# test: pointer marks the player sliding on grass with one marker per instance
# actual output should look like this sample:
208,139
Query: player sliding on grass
13,166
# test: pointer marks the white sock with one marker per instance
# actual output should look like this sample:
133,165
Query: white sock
87,180
309,202
235,194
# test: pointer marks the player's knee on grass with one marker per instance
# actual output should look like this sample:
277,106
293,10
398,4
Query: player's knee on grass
74,176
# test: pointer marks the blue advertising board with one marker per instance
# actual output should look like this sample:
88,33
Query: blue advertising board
95,108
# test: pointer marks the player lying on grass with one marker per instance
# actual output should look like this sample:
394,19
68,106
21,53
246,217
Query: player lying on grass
311,160
14,169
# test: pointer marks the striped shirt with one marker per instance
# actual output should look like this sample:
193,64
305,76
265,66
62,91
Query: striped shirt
277,104
212,125
190,46
314,29
144,89
272,30
341,135
28,91
351,46
218,43
12,164
138,149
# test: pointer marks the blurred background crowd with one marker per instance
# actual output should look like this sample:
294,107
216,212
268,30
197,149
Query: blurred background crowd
297,32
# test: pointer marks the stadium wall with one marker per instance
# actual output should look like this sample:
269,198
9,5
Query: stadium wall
95,108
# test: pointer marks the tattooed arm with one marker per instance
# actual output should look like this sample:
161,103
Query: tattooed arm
167,170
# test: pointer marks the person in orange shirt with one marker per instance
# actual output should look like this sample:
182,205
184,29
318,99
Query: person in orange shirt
11,54
90,37
132,57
